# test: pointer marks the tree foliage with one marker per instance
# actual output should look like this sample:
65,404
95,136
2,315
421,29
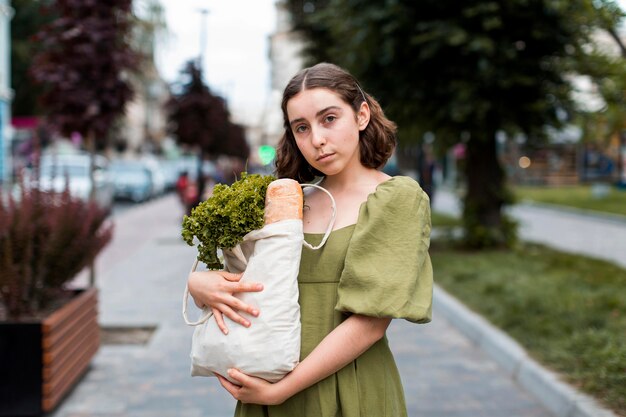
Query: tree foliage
200,119
27,21
196,116
604,63
463,71
84,65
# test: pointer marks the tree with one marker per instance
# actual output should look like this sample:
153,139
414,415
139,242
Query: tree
235,144
26,22
202,120
463,71
84,66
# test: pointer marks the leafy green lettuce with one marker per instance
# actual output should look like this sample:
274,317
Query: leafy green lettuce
226,217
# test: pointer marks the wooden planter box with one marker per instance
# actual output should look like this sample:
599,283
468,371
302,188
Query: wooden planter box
41,361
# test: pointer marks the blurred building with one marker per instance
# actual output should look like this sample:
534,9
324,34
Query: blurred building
6,12
144,127
285,55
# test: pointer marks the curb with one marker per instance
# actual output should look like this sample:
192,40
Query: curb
558,397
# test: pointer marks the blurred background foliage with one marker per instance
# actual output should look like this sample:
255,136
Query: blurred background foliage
200,118
83,63
466,72
27,21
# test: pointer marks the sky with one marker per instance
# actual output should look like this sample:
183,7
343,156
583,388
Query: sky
236,62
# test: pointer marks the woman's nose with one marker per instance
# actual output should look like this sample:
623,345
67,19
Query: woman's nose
318,138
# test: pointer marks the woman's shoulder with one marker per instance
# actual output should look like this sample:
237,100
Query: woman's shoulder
396,189
398,198
401,182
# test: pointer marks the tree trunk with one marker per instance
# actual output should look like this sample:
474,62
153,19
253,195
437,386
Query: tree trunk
484,223
200,179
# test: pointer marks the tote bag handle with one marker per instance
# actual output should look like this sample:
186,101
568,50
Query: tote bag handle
207,312
331,223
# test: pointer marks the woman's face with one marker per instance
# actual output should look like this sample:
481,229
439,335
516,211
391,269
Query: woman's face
326,129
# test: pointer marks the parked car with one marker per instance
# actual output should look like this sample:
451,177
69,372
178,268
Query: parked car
133,180
171,173
156,172
55,171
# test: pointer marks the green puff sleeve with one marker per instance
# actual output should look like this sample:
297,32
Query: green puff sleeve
387,271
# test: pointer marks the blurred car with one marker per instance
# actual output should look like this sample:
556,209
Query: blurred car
55,171
170,172
156,172
132,180
189,164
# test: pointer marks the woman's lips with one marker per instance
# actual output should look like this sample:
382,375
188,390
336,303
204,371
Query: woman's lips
323,157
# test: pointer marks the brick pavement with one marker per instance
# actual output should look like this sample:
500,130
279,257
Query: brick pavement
141,278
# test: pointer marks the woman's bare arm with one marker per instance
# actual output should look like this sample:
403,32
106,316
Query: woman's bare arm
340,347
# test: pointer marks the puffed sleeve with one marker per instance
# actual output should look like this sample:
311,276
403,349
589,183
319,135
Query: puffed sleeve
387,270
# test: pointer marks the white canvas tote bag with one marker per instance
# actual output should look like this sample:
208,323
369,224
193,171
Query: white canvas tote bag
270,347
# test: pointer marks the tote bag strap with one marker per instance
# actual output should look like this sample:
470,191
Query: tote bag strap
331,223
207,313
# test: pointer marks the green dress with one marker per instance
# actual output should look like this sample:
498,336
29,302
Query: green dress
377,267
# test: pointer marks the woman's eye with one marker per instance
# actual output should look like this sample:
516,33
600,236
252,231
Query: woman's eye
330,118
300,129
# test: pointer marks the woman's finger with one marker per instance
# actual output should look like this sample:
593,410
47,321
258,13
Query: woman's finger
230,276
228,386
234,287
219,319
238,376
231,314
238,305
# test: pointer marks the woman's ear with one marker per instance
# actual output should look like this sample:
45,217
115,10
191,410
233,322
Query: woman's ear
363,116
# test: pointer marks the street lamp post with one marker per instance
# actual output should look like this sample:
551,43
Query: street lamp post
203,33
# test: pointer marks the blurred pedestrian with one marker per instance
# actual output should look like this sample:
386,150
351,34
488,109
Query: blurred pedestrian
374,267
181,185
187,191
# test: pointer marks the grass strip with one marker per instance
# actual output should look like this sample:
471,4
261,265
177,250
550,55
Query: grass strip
568,311
607,198
439,220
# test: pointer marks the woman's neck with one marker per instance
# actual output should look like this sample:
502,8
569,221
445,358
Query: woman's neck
349,179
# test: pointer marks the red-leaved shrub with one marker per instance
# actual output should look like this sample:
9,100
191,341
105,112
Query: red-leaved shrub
45,240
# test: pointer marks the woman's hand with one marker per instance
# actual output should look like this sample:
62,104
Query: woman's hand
251,390
216,289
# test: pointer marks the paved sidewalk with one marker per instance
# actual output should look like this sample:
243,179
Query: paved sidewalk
575,231
141,278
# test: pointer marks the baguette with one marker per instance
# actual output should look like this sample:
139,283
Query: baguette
283,201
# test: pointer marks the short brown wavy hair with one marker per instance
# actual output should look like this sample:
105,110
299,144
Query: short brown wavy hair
376,142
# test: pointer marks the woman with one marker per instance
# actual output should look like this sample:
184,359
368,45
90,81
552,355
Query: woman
374,266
